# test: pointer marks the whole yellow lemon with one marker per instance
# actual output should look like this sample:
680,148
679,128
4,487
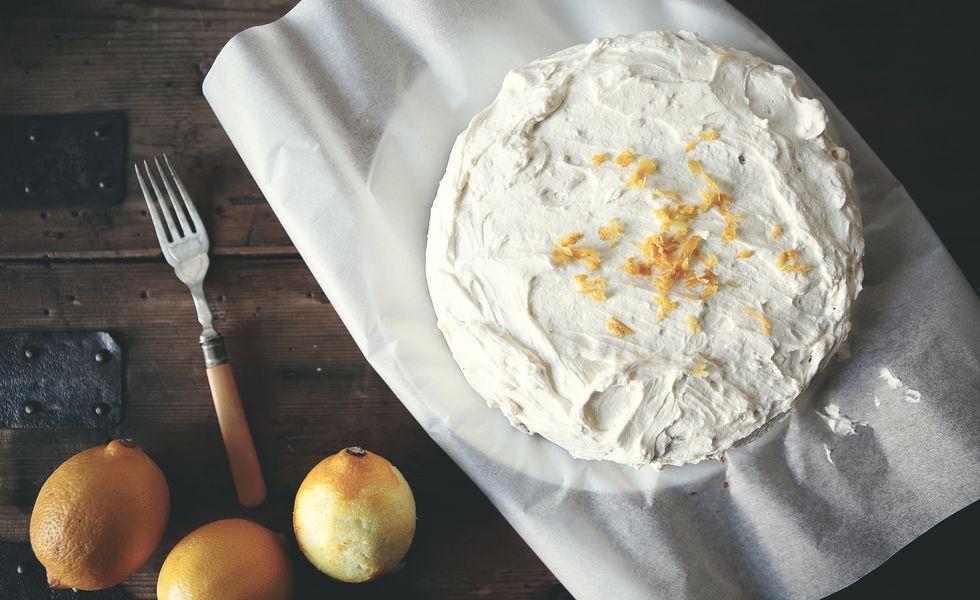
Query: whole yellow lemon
99,516
231,559
354,516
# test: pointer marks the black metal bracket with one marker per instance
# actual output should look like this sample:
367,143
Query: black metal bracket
51,380
23,578
59,161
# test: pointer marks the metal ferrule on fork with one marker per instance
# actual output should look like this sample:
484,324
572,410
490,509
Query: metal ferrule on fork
214,350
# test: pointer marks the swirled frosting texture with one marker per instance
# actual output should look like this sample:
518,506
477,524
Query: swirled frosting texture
707,375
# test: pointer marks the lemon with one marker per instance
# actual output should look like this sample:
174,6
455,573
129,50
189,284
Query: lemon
232,559
99,516
354,516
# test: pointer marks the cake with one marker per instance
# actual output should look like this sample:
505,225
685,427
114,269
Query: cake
645,248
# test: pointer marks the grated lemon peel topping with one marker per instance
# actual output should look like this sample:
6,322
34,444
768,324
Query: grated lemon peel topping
667,256
618,328
666,305
777,230
758,316
692,324
711,183
677,216
731,226
657,249
707,134
715,197
625,158
612,232
564,252
709,260
699,370
708,279
636,268
670,256
668,195
638,180
711,197
570,239
595,288
787,261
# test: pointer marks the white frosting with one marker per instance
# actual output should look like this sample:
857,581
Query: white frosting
828,451
894,383
520,177
837,421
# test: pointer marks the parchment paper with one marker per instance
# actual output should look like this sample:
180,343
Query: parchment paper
345,112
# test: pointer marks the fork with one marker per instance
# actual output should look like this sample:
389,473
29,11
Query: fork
184,242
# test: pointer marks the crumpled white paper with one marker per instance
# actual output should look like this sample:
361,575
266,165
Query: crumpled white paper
345,112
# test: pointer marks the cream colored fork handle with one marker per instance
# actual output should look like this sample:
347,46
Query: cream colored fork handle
245,469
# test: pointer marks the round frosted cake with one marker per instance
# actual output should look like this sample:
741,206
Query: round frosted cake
645,248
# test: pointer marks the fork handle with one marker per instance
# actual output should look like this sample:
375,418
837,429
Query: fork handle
245,469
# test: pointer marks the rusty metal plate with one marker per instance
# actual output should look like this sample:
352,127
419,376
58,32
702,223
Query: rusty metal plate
23,578
60,380
60,161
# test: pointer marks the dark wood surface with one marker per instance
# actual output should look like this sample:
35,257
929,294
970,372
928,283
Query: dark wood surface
307,389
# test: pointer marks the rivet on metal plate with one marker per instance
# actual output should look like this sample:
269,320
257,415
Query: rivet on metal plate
51,380
62,161
103,130
106,182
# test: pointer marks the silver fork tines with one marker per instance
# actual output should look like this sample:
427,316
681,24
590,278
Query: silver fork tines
181,233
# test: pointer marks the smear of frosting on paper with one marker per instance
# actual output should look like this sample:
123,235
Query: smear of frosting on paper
894,383
828,450
836,420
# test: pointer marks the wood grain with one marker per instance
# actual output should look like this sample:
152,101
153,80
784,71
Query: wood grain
307,391
147,59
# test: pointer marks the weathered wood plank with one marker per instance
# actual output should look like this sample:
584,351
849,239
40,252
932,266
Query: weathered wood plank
306,387
148,60
308,392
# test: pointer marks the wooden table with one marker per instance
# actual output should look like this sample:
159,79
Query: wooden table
307,389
